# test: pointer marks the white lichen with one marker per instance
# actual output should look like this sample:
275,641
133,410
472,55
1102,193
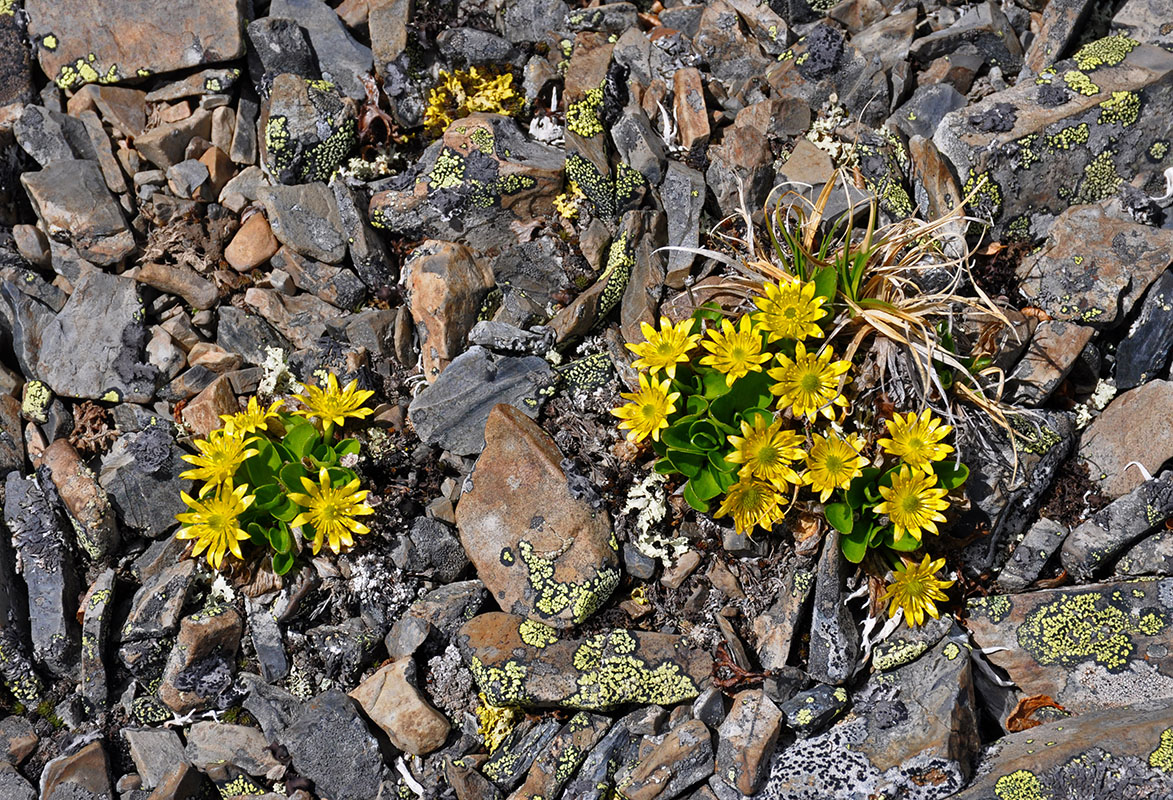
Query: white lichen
1102,395
275,375
649,501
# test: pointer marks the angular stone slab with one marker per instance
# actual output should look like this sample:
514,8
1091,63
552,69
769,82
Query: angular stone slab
542,551
71,198
80,43
1092,545
1088,647
519,662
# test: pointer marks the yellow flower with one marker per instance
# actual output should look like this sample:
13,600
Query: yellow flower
790,310
736,352
252,419
832,463
664,349
752,503
912,503
648,410
917,442
916,588
810,382
765,451
332,406
214,523
220,454
331,511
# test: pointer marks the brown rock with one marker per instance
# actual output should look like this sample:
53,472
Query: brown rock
202,414
542,551
1052,353
17,739
776,117
166,145
212,745
86,502
671,763
1134,427
181,781
123,108
692,117
179,280
445,286
220,168
301,319
556,764
392,701
203,660
81,774
746,740
32,245
91,47
253,244
214,357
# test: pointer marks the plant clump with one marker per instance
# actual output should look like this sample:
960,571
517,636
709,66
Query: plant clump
462,92
273,481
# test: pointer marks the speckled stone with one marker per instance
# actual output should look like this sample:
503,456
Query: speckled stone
1124,752
746,740
668,764
308,129
542,551
520,662
834,637
1094,544
562,757
1088,647
1134,427
1029,556
813,709
203,660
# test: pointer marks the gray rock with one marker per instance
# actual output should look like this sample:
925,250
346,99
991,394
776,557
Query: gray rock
452,411
189,179
835,642
639,145
19,677
13,785
305,218
72,202
340,58
282,46
1143,20
141,475
17,740
203,661
244,134
95,630
1054,350
1030,555
449,607
534,20
166,145
325,726
479,47
1150,556
373,329
154,617
508,764
267,642
213,745
247,335
346,649
729,53
1093,545
155,752
506,338
810,711
48,136
922,113
310,129
683,196
1143,353
983,26
33,516
273,708
619,746
368,253
1128,432
302,318
431,547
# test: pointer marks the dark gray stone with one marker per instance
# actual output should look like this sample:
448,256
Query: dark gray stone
247,335
810,711
340,58
282,46
508,764
1152,555
506,338
683,196
155,752
13,786
95,630
452,411
983,26
922,113
479,47
324,727
1029,556
639,145
835,638
1144,352
636,564
368,254
305,218
310,128
72,201
16,669
267,642
273,708
1091,547
432,547
141,475
534,20
338,286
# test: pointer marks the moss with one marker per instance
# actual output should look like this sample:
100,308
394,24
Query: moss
1162,757
1122,108
584,117
1020,785
1106,52
1076,628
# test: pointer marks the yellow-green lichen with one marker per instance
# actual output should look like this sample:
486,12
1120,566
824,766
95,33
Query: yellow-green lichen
890,655
1158,150
448,171
1069,137
1162,757
610,675
1077,628
1106,52
986,194
553,597
804,716
951,651
1021,784
598,188
583,117
995,607
502,686
1122,108
620,262
494,723
482,139
1080,83
535,634
35,404
1100,179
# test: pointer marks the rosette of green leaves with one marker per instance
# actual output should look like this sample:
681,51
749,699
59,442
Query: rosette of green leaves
276,470
854,513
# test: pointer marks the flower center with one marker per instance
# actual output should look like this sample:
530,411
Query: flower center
665,348
915,444
649,410
328,512
216,522
910,504
809,383
767,455
790,313
834,464
737,354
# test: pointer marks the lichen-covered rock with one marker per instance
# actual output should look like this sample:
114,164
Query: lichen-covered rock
108,43
542,549
16,670
1093,267
309,128
746,740
1074,135
339,56
1132,428
810,711
141,476
1088,647
777,628
834,637
519,662
509,762
305,219
452,412
912,733
1125,752
983,26
562,757
95,628
84,499
823,63
1151,556
1030,555
203,661
1092,546
445,285
482,175
668,764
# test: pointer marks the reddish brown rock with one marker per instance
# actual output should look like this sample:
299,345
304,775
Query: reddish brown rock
85,773
542,550
179,280
445,286
202,414
391,699
1051,355
253,244
86,502
692,117
203,660
746,740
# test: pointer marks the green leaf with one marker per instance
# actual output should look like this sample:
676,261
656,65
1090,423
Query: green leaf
262,468
340,476
951,475
717,461
704,436
748,391
906,543
268,496
709,311
286,511
857,492
348,447
282,563
696,405
854,546
694,501
689,464
291,475
664,466
280,539
256,535
715,385
826,282
324,456
840,516
705,485
301,440
676,436
751,415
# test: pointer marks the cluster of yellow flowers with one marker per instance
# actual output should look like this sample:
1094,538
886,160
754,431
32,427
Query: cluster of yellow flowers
215,520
